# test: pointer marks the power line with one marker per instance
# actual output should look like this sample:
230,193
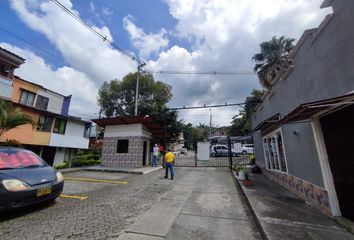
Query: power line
104,38
174,72
49,53
209,106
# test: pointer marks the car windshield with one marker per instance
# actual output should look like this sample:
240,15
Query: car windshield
14,159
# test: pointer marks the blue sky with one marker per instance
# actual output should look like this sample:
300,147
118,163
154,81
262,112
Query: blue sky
181,35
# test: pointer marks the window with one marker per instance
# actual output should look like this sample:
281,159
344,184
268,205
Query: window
122,146
27,98
274,152
45,123
42,103
59,126
87,130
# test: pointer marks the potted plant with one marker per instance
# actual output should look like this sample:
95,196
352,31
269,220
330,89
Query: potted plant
237,168
246,173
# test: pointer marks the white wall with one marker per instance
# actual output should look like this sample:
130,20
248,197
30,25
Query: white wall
73,137
59,156
55,100
5,87
130,130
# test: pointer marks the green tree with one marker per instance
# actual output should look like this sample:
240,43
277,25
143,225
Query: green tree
241,123
117,98
272,59
11,117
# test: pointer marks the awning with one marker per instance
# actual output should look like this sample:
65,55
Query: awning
305,110
269,122
148,121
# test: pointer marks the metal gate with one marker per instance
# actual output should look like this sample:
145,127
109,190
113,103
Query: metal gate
190,160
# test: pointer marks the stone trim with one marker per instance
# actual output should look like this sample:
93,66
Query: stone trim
313,195
134,157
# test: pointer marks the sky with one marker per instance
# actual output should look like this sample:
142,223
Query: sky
169,35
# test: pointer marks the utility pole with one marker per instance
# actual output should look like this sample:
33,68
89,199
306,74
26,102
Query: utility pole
137,89
210,123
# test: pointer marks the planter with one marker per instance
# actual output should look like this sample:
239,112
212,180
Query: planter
247,182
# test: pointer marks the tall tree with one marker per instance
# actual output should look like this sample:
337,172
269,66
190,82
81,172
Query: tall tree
117,98
11,117
241,123
272,59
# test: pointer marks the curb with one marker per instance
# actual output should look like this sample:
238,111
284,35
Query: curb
256,220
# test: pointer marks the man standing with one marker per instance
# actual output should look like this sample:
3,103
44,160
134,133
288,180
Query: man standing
169,160
155,153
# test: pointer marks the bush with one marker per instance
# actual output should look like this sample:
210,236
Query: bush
80,163
61,165
86,157
11,143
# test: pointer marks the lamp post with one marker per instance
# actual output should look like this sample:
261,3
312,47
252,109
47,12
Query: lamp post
137,89
210,123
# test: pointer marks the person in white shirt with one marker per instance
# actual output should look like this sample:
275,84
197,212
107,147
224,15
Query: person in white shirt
155,153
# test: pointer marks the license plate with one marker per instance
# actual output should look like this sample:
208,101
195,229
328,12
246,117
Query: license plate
44,191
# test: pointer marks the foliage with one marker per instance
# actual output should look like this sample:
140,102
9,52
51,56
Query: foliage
117,98
11,143
11,117
245,170
272,59
241,123
86,157
62,165
168,119
252,159
193,135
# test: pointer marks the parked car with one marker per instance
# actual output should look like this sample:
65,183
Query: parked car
247,149
219,150
26,179
180,151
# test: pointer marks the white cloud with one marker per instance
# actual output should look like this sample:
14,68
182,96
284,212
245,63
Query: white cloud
145,43
224,35
78,46
107,11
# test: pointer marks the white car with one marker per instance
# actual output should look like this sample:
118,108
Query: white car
219,150
247,149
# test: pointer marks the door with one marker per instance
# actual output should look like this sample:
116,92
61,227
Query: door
48,154
338,133
144,153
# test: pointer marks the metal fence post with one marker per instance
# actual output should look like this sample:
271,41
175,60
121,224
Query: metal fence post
230,152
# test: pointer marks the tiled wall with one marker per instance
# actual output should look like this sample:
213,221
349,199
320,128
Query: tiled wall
134,157
313,195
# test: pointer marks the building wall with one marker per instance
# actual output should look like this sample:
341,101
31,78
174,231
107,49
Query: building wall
59,156
55,100
5,87
126,130
323,67
134,157
73,137
18,85
26,134
301,154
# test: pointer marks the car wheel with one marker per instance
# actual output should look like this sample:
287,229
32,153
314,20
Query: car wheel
244,152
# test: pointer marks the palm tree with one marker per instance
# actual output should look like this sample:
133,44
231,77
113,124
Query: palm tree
12,117
273,58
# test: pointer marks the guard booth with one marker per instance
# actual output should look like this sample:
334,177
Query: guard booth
127,141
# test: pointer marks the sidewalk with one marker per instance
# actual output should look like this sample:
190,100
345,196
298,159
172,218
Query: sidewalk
142,170
282,215
203,204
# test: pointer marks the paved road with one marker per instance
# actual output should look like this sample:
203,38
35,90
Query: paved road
201,203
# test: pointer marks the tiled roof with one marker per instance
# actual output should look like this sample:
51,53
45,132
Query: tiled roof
7,51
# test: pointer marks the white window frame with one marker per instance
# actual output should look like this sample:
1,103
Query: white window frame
268,158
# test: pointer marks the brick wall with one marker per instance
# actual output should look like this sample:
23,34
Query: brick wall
134,157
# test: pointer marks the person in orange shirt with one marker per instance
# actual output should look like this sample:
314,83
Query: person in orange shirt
169,161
